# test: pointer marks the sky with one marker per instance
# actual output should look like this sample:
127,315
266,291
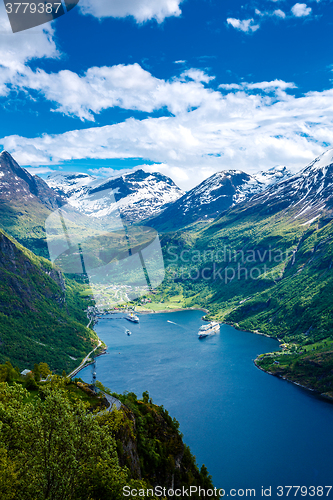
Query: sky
186,88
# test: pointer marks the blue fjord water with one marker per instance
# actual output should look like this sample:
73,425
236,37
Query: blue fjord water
249,428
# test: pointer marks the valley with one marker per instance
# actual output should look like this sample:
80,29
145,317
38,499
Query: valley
252,252
166,250
256,251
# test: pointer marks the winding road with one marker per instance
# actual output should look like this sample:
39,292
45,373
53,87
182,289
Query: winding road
74,372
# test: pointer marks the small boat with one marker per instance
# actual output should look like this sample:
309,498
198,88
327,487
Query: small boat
210,329
132,317
128,332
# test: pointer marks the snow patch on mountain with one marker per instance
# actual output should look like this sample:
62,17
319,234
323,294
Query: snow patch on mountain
141,195
136,196
273,175
321,162
309,193
235,183
70,184
216,194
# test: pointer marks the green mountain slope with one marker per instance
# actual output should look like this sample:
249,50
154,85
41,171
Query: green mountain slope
267,266
25,222
264,273
276,275
268,275
42,316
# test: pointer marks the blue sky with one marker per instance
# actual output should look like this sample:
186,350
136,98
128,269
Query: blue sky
184,87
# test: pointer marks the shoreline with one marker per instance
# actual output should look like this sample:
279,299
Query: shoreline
256,332
234,325
146,311
79,368
84,363
177,309
318,394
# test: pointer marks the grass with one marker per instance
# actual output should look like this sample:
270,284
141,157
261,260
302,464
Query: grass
175,302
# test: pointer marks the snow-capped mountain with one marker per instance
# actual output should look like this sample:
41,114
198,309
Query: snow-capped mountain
215,195
70,184
306,195
19,187
272,175
137,196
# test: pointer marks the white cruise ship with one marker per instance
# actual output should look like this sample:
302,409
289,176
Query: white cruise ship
209,329
132,317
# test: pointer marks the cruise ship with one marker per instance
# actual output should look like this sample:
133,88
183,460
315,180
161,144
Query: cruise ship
132,317
209,329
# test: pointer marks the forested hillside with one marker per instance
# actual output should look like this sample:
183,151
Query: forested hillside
56,442
42,313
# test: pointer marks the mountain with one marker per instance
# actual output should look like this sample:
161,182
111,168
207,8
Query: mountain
285,235
41,314
70,184
16,184
136,195
306,196
215,195
25,203
266,265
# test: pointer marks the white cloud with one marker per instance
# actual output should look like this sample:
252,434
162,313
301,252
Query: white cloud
231,86
274,85
250,126
244,130
250,25
112,172
279,13
247,25
125,86
179,175
197,75
39,170
301,10
141,10
17,49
